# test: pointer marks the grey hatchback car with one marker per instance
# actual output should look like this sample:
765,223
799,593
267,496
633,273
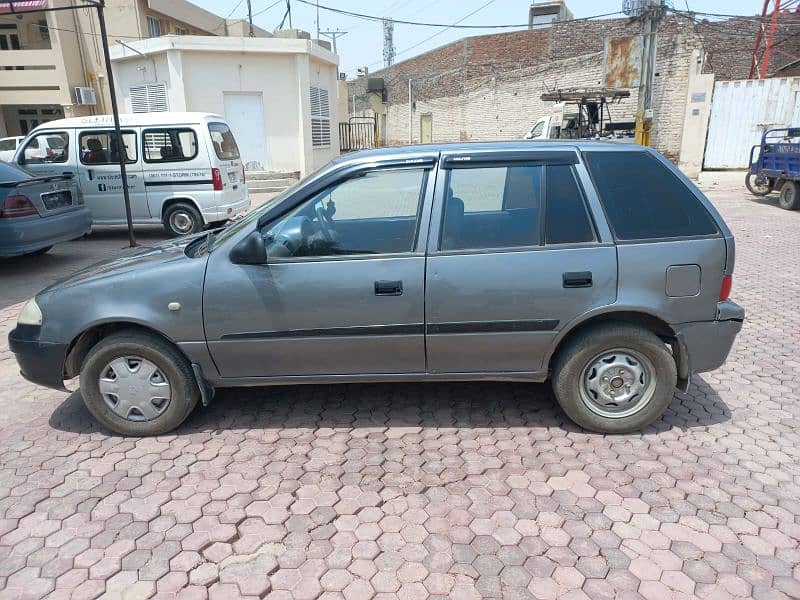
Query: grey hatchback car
598,266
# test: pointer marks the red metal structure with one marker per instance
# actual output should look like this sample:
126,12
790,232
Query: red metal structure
765,38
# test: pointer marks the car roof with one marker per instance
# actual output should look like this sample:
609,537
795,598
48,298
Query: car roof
131,120
499,146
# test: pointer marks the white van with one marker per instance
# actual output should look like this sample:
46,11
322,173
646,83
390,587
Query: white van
183,169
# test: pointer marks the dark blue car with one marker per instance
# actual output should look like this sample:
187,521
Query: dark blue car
38,212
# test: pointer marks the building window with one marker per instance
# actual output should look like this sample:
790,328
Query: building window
320,118
153,27
149,97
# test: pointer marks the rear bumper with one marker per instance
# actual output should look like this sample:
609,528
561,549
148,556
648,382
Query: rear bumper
224,212
706,344
39,362
29,234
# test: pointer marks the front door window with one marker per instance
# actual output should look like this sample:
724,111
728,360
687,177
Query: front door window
375,213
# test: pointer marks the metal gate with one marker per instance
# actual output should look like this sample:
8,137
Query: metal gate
741,111
357,134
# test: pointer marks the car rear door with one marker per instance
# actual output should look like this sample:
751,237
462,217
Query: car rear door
514,257
351,303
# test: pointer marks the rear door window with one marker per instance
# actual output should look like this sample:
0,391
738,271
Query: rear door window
644,200
169,145
492,207
224,143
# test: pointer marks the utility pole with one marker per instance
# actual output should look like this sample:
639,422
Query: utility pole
651,12
333,35
289,12
317,19
388,42
410,115
100,5
250,17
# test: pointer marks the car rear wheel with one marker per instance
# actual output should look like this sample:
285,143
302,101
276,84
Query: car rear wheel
182,219
136,383
614,378
761,188
790,196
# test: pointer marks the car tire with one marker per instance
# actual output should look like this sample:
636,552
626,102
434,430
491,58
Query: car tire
750,182
616,353
40,251
144,417
789,198
182,219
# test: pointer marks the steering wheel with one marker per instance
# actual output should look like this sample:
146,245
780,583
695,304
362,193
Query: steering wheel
325,223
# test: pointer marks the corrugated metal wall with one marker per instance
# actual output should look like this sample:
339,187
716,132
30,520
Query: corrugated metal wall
742,111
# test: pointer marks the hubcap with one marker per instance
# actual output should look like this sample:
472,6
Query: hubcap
181,222
135,388
617,383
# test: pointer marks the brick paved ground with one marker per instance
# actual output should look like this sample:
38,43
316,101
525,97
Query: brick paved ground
415,490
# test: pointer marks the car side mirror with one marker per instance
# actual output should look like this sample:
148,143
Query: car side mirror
250,251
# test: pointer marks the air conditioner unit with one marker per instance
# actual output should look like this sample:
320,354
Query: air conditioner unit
85,95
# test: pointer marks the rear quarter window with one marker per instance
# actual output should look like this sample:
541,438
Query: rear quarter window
644,200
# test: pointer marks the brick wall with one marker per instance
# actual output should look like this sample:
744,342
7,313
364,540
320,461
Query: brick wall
488,87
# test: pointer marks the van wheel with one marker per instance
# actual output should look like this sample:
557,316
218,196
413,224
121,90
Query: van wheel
758,189
790,196
136,383
614,378
182,219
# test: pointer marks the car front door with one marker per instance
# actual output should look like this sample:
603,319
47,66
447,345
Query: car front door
515,257
343,289
99,175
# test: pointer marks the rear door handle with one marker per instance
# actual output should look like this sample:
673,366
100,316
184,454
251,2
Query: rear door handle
388,288
577,279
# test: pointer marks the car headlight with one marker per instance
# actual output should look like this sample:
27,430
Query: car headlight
31,314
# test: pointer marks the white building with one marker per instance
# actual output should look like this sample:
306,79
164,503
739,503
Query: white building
277,93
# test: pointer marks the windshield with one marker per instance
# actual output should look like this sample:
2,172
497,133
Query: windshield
253,215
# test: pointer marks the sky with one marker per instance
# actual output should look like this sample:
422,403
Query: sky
363,43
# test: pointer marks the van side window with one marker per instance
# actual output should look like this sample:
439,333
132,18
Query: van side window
224,142
566,219
494,207
102,148
169,144
46,147
644,200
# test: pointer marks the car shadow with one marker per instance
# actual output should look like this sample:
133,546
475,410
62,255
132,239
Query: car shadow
425,405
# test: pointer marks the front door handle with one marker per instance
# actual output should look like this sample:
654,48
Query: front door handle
577,279
388,288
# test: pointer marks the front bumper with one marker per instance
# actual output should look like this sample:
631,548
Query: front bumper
706,344
39,362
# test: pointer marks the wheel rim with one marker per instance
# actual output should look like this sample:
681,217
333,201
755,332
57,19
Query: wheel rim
135,388
181,222
618,383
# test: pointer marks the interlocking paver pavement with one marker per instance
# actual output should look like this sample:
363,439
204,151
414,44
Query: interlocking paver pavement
414,490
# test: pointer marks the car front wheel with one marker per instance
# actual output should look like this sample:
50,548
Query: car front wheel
614,378
136,383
